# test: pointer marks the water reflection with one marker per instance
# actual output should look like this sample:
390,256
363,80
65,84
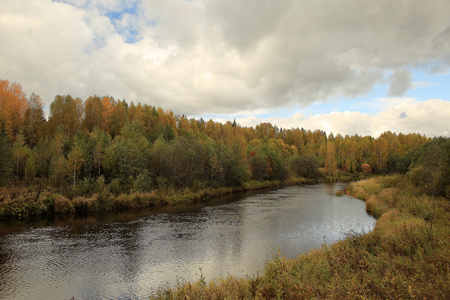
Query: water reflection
126,256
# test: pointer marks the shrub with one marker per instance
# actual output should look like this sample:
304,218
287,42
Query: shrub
366,169
63,205
114,187
143,182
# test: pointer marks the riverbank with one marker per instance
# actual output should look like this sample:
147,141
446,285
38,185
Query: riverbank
405,256
35,201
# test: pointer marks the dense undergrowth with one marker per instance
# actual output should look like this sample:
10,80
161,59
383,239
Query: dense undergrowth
30,200
406,256
35,200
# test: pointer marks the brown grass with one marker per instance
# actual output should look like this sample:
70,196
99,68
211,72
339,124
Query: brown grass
404,257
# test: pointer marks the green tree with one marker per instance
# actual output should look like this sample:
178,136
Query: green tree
74,162
101,141
6,156
259,166
30,167
234,163
57,171
33,120
143,182
128,154
430,167
304,166
20,154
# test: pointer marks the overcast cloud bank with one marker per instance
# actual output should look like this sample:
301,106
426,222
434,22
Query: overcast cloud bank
222,57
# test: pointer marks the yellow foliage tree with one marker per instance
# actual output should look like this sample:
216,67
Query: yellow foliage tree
330,161
13,103
74,162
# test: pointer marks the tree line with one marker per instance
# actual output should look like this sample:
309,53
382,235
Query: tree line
141,147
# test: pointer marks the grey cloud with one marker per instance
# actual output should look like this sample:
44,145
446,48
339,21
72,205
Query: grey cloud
172,22
245,23
441,51
400,83
213,56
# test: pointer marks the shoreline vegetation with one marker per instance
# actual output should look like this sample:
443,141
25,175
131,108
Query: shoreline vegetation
102,154
30,203
406,256
33,201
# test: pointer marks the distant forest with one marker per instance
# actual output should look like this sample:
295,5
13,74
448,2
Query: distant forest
142,147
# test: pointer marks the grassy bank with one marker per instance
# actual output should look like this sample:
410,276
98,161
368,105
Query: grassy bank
20,202
405,256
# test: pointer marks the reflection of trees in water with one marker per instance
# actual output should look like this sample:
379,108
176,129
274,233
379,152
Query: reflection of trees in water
95,255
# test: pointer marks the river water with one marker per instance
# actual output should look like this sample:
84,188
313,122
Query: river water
127,256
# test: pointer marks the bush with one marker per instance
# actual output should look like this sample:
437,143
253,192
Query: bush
143,182
63,205
101,185
114,187
366,169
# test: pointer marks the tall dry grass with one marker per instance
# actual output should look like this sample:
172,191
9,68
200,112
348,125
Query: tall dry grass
406,256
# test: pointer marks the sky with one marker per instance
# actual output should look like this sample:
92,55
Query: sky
343,66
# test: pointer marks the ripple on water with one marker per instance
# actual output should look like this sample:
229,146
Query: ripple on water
124,259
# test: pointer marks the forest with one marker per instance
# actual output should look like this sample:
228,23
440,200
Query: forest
85,147
103,154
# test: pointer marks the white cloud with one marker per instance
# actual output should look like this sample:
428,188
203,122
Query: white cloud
403,115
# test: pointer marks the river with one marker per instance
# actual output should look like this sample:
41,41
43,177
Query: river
127,256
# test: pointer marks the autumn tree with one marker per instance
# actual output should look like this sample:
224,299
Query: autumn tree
330,160
148,118
33,119
184,127
380,153
13,103
107,112
93,113
66,112
74,162
117,119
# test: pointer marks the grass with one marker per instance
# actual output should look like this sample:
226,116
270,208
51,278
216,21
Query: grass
406,256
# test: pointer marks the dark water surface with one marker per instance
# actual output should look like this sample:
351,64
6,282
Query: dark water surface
127,256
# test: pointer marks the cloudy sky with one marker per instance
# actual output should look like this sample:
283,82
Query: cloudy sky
343,66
